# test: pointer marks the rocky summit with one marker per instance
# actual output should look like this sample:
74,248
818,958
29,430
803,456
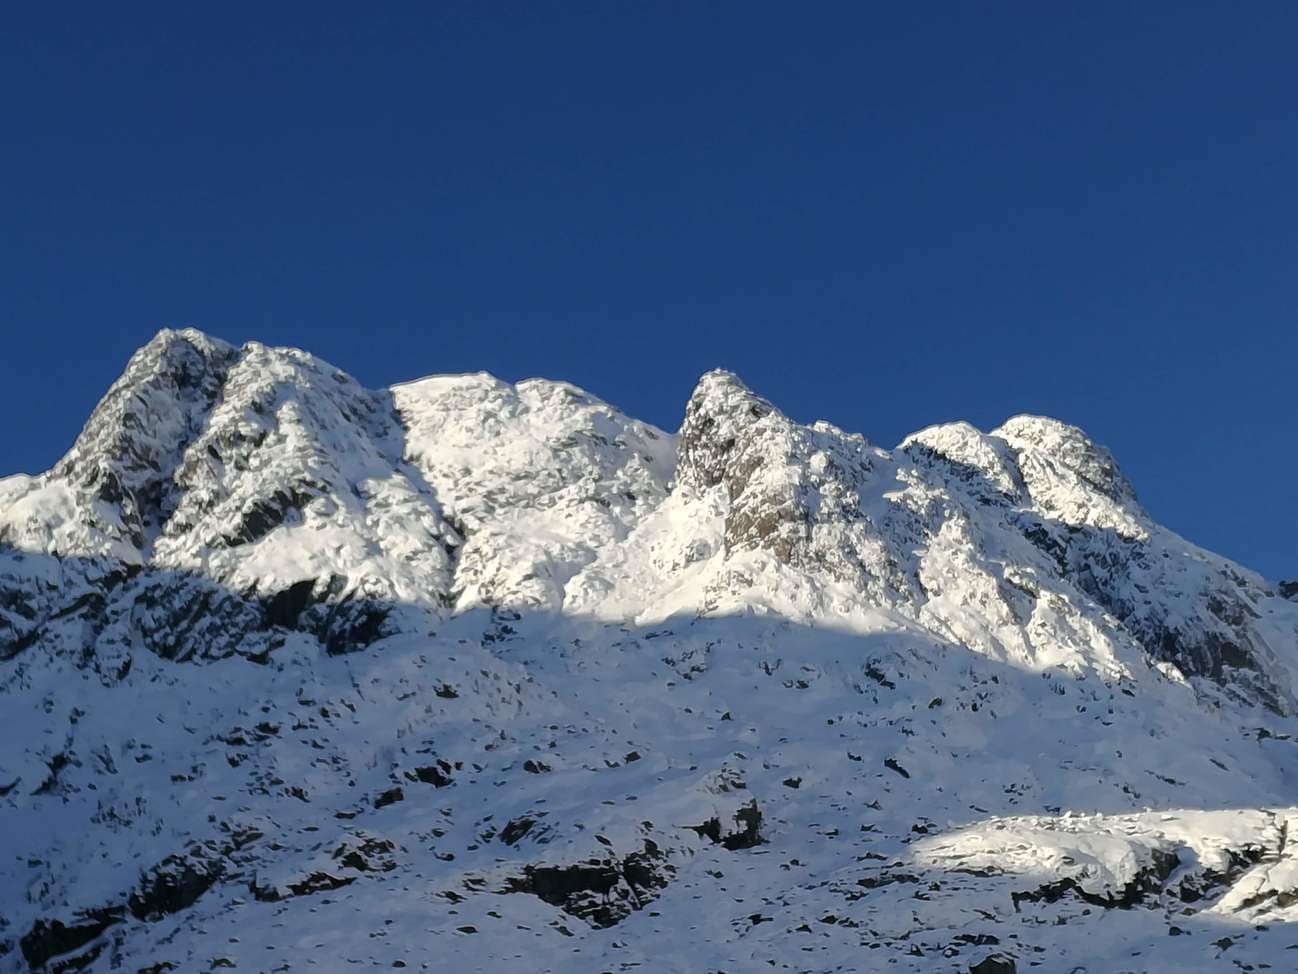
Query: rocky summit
469,676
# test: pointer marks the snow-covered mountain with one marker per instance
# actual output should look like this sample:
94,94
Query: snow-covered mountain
464,675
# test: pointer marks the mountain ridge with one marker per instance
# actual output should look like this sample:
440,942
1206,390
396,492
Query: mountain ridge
783,617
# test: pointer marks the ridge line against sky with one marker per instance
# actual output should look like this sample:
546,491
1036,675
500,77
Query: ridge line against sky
883,218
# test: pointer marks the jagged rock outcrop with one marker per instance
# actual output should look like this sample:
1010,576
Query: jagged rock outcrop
114,490
600,891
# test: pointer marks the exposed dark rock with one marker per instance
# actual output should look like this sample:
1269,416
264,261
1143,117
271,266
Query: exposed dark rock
437,775
893,765
515,829
366,853
48,939
56,764
1202,883
267,513
286,607
172,383
994,964
1046,538
76,961
1213,643
876,880
601,892
1148,880
317,882
182,617
347,626
389,797
714,417
26,613
726,439
175,884
745,834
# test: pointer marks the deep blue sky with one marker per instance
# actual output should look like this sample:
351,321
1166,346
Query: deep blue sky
883,215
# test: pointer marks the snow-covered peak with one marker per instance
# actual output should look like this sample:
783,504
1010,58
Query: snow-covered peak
720,412
280,478
1071,448
1071,477
537,476
113,489
985,464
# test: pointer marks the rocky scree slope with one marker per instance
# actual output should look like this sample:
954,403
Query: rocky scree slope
295,673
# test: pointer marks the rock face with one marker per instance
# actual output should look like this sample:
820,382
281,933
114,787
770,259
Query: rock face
397,669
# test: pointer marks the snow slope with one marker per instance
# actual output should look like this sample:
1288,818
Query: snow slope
467,675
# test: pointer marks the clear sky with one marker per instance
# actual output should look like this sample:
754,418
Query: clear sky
884,215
